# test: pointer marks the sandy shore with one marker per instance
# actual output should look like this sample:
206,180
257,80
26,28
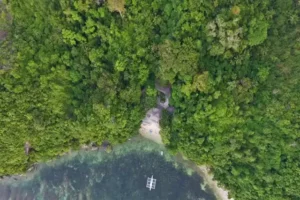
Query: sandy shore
220,193
150,126
151,132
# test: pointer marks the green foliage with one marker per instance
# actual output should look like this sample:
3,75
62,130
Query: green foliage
203,82
257,32
5,18
74,72
177,60
226,36
116,5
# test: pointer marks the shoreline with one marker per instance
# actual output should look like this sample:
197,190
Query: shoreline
203,170
220,192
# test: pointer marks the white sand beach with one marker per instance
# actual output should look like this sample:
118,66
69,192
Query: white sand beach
150,126
221,193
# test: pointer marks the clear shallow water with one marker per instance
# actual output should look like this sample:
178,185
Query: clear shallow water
119,175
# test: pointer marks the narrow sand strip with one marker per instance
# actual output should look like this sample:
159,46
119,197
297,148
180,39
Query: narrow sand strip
221,193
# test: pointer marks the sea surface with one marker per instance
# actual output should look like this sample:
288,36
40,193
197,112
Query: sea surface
118,175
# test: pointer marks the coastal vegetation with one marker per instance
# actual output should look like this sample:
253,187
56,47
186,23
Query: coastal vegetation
82,71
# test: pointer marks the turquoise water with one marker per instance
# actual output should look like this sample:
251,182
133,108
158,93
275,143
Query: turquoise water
119,175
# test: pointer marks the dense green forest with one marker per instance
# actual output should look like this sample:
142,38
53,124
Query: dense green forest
79,71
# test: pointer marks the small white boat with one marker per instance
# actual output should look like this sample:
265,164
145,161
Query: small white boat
151,183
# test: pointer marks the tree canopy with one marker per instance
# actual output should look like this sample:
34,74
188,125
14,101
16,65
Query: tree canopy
81,71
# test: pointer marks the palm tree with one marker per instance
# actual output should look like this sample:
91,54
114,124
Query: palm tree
294,19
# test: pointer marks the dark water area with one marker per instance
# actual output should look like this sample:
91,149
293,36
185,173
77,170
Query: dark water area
119,175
